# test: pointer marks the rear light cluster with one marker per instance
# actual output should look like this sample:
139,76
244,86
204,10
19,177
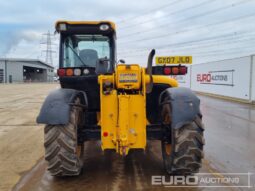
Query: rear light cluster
72,72
176,70
169,70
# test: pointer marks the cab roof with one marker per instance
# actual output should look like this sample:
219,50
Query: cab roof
85,23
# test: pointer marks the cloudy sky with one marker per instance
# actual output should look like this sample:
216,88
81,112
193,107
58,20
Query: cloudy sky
206,29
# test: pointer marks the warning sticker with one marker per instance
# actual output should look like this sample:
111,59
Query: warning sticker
128,77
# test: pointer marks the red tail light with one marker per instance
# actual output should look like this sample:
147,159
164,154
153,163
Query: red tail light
167,70
61,72
175,70
183,70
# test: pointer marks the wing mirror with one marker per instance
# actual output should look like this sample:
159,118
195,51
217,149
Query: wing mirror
121,61
102,66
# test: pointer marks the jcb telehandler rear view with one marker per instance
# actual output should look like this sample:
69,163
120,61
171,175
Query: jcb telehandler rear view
122,105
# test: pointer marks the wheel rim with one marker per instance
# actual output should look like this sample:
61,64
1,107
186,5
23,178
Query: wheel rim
168,148
167,152
79,147
79,150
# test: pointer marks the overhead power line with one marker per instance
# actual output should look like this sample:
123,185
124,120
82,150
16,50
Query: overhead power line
215,37
169,14
211,53
218,44
146,12
206,42
250,52
187,19
219,49
189,30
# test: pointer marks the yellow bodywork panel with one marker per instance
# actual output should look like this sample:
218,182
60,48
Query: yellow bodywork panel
123,122
157,79
123,115
123,107
108,120
108,114
132,123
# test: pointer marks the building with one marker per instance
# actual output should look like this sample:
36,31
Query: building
13,70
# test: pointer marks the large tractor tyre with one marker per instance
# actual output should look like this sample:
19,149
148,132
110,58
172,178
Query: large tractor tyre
182,149
62,151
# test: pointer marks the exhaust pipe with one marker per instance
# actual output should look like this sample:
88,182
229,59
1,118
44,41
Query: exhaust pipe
149,86
149,63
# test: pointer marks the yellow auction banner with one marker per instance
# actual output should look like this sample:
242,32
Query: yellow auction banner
173,59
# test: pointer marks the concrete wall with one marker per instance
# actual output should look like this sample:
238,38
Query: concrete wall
232,78
228,78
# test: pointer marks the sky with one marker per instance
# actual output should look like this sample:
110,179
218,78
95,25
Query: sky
208,30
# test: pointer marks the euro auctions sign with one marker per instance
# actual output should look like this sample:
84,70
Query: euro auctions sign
173,60
220,77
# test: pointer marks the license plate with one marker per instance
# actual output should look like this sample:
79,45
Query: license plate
174,60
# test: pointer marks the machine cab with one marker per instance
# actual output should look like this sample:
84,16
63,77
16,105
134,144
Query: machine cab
87,49
86,45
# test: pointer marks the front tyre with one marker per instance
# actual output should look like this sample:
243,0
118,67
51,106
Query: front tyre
62,151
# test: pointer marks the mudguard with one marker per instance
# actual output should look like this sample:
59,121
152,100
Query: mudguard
56,107
185,105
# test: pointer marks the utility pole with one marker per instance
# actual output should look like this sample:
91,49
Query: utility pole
49,51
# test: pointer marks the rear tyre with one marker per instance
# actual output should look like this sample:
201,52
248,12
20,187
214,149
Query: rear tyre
62,151
182,150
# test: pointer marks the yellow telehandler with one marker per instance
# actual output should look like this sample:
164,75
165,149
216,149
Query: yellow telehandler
122,105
